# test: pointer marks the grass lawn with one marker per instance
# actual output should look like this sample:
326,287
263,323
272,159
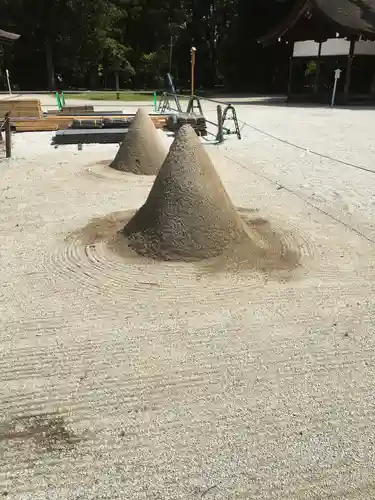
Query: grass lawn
111,96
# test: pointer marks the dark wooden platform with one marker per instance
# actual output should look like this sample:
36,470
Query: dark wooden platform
89,136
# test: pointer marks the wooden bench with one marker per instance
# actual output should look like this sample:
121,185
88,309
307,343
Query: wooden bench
21,108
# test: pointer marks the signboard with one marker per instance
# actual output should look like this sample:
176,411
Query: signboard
337,74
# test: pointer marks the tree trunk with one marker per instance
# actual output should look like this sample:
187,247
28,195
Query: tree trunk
93,79
117,80
50,68
214,65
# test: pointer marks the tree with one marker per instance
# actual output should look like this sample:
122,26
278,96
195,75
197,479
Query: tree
93,42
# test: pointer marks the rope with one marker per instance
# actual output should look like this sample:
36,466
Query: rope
289,143
297,146
347,226
2,125
284,141
316,153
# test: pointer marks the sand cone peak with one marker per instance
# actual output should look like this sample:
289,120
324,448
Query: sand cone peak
188,214
142,151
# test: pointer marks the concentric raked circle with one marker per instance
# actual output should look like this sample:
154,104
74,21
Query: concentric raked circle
98,258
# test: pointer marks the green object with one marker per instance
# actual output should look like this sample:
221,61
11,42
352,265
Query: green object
155,102
58,101
62,99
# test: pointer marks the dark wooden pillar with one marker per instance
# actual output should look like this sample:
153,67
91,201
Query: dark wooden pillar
348,75
317,73
290,77
8,136
372,89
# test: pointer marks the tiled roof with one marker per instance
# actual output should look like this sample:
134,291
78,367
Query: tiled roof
299,10
346,16
355,15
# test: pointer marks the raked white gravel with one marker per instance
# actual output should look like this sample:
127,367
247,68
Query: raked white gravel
155,381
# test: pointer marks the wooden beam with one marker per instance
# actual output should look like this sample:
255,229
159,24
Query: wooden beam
317,73
8,137
64,122
290,77
20,107
348,75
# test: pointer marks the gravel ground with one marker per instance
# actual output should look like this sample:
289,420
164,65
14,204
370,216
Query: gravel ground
155,380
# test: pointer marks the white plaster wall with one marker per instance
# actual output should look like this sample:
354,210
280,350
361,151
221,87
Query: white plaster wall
335,47
308,48
332,47
365,48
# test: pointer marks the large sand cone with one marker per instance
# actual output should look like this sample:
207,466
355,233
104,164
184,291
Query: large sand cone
188,214
142,151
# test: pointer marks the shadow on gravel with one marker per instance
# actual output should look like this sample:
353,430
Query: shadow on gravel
46,432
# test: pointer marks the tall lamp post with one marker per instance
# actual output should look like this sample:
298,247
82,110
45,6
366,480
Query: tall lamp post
193,52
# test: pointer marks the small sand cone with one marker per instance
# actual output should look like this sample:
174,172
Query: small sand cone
188,214
142,151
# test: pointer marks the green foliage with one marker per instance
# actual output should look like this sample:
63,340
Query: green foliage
89,41
152,67
311,68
